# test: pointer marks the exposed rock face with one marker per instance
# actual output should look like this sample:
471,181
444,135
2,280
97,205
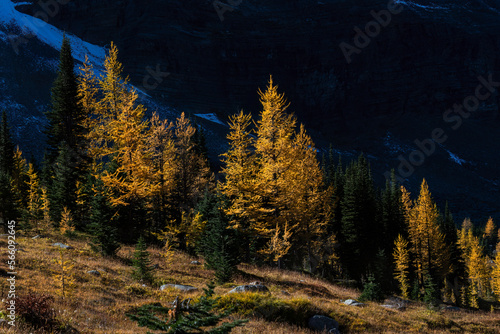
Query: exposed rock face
417,63
420,64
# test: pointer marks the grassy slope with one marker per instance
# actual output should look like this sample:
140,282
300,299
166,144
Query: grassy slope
98,304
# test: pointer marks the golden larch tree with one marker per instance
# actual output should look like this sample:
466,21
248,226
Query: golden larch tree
401,264
430,252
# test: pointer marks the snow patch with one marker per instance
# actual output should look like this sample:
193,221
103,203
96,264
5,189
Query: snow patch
48,34
453,157
210,117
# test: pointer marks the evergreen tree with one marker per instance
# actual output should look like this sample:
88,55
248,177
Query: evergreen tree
62,191
66,115
359,226
141,262
105,234
184,318
9,209
218,244
6,147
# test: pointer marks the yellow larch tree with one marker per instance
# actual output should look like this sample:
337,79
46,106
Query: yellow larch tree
495,276
161,151
402,263
431,254
274,181
476,265
34,196
240,172
192,170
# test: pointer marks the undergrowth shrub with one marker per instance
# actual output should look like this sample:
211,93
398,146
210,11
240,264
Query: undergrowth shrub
371,291
37,310
295,311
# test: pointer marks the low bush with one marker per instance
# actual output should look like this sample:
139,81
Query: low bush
295,311
37,310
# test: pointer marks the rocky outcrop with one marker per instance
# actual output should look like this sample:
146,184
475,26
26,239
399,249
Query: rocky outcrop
181,287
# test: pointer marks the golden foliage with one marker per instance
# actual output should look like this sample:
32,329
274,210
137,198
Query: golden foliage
66,224
64,277
427,241
402,264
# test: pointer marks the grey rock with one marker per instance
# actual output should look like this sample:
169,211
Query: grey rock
195,262
452,309
178,287
94,272
37,237
250,288
322,323
352,302
60,245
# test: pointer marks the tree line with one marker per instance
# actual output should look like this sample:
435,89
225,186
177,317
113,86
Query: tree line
118,175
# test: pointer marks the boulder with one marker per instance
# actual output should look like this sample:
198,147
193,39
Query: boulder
250,288
321,323
60,245
37,237
178,287
393,307
94,272
195,262
451,309
352,302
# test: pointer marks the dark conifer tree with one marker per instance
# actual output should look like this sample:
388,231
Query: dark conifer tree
66,115
143,270
218,243
6,147
105,234
9,209
63,188
65,137
359,226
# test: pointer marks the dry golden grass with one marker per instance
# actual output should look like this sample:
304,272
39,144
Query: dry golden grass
98,304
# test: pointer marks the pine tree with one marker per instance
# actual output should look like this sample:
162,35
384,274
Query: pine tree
8,205
105,234
62,190
359,209
402,264
141,262
218,244
184,318
66,115
6,147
